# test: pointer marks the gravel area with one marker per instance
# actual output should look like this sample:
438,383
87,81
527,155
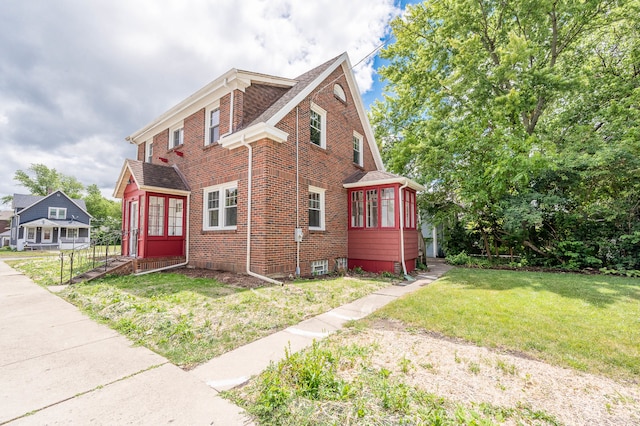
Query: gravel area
466,373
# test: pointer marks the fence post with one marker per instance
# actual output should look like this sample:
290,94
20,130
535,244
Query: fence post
61,265
71,270
93,265
106,255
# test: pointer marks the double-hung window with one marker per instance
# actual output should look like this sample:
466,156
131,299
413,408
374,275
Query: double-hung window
318,126
57,213
220,207
148,151
177,138
357,209
387,207
357,148
214,126
316,208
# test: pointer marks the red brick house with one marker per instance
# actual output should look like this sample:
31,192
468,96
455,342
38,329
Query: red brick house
268,176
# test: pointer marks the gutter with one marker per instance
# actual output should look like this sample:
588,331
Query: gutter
249,187
404,267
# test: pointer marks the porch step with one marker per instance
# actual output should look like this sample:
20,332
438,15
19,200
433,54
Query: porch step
113,265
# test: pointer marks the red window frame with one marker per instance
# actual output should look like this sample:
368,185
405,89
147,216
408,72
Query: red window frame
379,206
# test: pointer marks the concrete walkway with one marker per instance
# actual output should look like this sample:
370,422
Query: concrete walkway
57,366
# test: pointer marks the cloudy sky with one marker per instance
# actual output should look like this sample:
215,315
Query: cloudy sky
78,76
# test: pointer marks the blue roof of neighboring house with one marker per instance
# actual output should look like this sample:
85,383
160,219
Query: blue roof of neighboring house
21,201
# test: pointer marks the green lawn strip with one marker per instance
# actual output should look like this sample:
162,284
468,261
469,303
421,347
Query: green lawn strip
191,320
590,323
335,382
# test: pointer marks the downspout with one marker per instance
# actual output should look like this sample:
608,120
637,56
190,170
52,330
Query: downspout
249,186
186,248
404,267
297,195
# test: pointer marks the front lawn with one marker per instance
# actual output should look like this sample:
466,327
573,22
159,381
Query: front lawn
191,320
590,323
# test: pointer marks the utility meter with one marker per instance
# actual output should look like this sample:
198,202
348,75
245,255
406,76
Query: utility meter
298,235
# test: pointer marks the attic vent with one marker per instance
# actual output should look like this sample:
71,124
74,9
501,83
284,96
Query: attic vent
338,92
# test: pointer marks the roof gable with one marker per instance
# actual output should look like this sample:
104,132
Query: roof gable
25,201
151,177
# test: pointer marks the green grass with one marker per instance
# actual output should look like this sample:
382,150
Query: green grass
589,323
334,383
191,320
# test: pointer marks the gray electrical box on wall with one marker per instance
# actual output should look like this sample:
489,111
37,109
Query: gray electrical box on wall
298,235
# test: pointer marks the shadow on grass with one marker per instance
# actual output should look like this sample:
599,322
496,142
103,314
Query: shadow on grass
596,290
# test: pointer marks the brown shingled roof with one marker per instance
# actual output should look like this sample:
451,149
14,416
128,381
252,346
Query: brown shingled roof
157,176
303,81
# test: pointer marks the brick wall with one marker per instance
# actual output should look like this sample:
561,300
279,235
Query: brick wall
274,183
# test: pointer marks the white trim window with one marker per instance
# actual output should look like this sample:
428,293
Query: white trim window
72,233
319,267
176,135
220,207
357,149
57,213
316,208
212,131
318,126
148,151
31,235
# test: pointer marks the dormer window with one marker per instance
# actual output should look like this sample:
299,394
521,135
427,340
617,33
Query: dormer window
57,213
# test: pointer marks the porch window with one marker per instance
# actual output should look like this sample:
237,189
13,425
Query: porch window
72,233
357,209
372,208
220,207
409,209
176,213
31,234
388,203
156,216
57,213
316,208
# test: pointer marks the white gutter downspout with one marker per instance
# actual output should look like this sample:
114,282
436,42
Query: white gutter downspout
404,267
297,195
249,186
186,248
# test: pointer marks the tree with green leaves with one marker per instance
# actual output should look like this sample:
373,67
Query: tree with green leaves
41,180
512,113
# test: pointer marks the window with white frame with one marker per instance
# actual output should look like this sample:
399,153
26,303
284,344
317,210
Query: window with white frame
372,208
387,207
57,213
319,267
156,216
357,149
31,234
214,126
176,136
220,207
316,208
318,126
148,151
357,209
175,216
338,92
72,233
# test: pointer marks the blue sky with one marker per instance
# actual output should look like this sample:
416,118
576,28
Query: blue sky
77,77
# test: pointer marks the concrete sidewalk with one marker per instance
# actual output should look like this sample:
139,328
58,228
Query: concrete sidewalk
59,367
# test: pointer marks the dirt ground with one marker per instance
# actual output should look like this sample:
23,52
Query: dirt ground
466,373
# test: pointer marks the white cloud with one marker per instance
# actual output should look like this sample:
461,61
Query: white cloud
79,76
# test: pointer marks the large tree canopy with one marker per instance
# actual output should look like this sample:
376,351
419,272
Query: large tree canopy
522,118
